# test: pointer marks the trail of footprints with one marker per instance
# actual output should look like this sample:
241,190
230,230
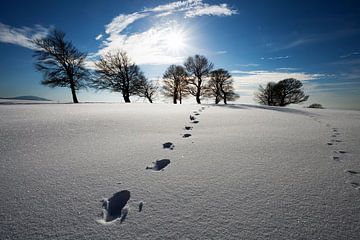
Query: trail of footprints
115,208
338,156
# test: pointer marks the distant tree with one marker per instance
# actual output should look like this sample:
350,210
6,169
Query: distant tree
61,63
116,72
316,105
285,92
147,89
198,68
221,86
175,83
267,95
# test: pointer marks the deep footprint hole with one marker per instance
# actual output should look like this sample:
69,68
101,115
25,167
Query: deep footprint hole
113,208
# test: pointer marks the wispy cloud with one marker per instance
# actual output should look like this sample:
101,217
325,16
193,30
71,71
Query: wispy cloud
98,37
263,76
221,52
275,58
247,82
210,10
149,46
248,65
350,54
22,36
287,69
318,37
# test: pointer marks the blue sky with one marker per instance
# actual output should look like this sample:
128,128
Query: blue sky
317,42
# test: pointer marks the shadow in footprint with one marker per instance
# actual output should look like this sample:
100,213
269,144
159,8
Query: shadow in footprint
168,145
159,164
141,204
113,207
188,128
355,185
195,122
352,172
192,118
336,158
186,135
340,151
336,140
197,114
329,143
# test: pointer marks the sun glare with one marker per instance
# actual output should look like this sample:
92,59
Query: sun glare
175,40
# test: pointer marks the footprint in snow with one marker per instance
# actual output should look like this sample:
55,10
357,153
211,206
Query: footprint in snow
192,118
336,140
197,114
188,128
114,207
329,143
352,172
355,185
195,122
159,164
186,135
141,204
336,158
168,145
340,151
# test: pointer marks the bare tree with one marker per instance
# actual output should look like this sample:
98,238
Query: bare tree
221,86
285,92
213,88
267,95
175,83
198,68
116,72
61,63
148,89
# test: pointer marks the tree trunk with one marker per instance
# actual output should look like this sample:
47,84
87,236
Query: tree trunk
73,92
180,98
225,100
175,97
126,98
198,96
150,100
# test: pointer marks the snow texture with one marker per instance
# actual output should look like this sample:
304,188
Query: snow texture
246,172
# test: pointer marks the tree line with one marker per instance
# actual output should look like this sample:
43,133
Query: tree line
63,65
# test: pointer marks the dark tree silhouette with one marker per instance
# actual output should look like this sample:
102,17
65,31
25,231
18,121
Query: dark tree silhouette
221,86
175,83
198,68
147,89
285,92
60,62
117,73
266,96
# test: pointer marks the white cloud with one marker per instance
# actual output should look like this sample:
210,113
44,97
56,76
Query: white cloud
221,52
287,69
149,46
248,65
119,23
22,36
98,37
262,77
210,10
275,58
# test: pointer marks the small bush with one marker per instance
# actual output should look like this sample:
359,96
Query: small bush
316,105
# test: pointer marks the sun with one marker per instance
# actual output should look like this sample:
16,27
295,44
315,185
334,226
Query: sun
175,40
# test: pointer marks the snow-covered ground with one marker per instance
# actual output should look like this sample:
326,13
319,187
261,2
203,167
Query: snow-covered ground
246,172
